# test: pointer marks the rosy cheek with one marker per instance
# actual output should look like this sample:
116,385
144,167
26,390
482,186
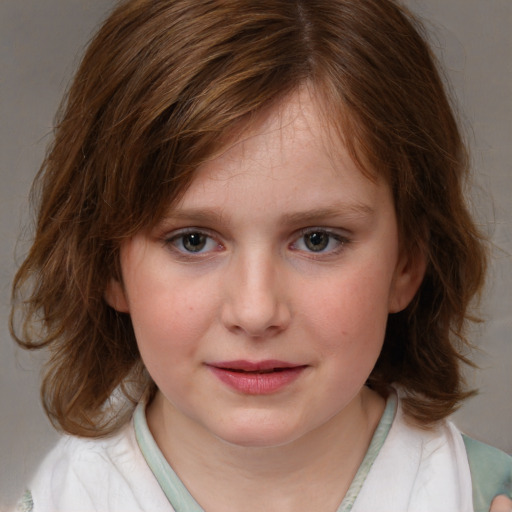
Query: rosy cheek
351,314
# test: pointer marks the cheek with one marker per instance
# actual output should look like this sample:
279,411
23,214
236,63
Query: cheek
350,313
168,316
167,329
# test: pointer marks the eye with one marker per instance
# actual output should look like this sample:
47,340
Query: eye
192,242
319,241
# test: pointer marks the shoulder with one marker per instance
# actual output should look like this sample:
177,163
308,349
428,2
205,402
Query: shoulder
418,469
95,474
487,457
75,455
491,472
485,470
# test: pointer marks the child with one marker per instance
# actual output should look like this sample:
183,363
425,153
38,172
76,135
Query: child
252,268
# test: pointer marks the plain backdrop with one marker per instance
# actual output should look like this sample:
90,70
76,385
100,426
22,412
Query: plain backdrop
40,45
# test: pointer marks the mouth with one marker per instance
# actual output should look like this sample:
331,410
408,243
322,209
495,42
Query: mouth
258,372
261,367
257,378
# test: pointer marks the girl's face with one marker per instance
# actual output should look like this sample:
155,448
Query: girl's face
260,302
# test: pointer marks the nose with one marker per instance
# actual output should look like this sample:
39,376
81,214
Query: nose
255,296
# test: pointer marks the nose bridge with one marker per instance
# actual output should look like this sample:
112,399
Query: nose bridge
255,304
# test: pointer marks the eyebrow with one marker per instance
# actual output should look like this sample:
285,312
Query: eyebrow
346,210
200,215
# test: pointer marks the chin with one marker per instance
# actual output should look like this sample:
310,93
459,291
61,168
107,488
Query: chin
257,440
258,433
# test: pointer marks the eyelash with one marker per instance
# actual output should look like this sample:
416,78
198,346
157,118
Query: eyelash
176,241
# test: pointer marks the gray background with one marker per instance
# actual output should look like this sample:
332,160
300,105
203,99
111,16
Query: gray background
41,41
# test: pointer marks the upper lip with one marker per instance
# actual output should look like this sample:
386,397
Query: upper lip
253,366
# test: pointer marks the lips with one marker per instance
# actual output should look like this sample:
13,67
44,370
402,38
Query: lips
256,378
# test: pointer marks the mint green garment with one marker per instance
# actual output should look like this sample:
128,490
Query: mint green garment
491,473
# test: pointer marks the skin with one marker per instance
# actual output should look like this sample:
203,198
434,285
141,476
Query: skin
501,504
281,249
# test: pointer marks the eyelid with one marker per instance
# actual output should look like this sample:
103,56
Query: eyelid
335,232
170,236
325,229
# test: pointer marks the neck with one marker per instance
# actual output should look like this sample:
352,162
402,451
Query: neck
313,472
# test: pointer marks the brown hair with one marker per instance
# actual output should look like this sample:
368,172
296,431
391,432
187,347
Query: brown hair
161,83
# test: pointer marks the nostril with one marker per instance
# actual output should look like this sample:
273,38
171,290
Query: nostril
255,321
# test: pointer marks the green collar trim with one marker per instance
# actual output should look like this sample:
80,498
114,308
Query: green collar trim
379,436
173,488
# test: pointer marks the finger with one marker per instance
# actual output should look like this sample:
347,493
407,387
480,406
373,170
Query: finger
501,504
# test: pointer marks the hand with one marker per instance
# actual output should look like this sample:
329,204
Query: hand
501,504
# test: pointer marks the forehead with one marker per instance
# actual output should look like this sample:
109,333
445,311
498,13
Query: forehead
289,153
298,119
305,117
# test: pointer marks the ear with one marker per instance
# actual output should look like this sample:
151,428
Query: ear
116,296
407,279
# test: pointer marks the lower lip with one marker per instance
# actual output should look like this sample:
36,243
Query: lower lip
252,383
